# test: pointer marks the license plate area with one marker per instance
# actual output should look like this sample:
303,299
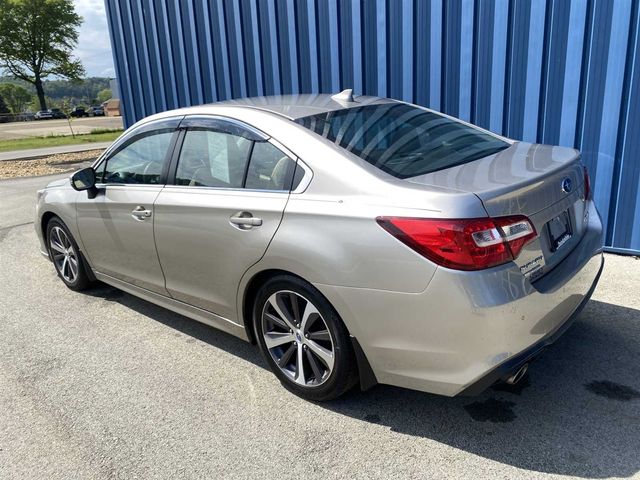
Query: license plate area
559,230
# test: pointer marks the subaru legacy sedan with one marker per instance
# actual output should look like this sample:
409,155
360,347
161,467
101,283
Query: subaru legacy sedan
355,240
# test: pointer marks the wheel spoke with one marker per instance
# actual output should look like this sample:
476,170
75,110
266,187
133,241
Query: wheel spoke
57,235
58,232
64,239
282,312
63,268
73,264
295,306
59,238
321,335
286,356
309,311
275,339
278,321
322,353
314,365
300,377
56,246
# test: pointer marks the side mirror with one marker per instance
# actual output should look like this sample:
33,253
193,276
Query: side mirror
84,179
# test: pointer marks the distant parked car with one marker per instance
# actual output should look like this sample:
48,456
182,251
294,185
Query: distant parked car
25,117
57,113
79,112
43,115
97,111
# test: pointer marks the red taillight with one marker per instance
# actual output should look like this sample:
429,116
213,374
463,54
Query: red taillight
587,184
465,244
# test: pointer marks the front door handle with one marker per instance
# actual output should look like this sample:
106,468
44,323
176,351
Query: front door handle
245,220
140,213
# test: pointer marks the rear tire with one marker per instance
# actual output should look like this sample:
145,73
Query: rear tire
66,256
303,339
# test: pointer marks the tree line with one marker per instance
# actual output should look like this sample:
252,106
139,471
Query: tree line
20,96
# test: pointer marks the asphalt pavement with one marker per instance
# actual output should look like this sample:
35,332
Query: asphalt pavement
104,385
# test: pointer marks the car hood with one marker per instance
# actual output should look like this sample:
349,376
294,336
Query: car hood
61,182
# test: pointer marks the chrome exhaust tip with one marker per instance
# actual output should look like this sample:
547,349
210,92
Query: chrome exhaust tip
519,375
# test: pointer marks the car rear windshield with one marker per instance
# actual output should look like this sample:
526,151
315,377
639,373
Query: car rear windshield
403,140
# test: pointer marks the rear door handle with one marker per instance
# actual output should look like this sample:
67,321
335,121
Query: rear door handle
140,213
245,220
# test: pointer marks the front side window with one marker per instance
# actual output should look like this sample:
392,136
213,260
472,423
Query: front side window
139,162
403,140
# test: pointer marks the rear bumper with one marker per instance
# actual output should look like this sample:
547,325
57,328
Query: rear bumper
512,365
469,329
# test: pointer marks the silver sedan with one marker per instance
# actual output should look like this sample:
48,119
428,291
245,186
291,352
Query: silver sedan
354,239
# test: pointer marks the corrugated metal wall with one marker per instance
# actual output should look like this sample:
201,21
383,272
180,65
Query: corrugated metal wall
557,71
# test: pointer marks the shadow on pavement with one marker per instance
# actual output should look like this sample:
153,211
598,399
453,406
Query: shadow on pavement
192,328
576,413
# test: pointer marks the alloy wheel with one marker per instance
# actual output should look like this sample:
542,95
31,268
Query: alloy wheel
64,255
297,338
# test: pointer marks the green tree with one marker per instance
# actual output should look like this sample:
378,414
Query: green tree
3,106
36,41
15,96
104,95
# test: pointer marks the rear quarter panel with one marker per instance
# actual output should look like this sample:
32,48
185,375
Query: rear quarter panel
338,242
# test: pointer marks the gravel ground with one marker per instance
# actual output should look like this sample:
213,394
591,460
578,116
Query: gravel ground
104,385
60,163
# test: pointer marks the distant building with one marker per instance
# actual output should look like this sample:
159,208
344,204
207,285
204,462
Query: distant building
112,107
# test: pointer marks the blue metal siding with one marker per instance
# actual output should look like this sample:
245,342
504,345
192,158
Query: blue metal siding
552,71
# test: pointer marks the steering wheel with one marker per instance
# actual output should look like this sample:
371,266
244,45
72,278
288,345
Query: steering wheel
148,171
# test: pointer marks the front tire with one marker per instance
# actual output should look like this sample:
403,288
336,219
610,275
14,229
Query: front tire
303,339
66,257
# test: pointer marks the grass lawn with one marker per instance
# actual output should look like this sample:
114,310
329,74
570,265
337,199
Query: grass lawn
54,141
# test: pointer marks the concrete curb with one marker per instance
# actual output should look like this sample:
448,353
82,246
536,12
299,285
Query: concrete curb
44,152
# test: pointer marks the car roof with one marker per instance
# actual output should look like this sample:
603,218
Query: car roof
291,107
294,107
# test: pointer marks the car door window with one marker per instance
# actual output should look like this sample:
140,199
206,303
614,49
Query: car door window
141,161
269,168
212,158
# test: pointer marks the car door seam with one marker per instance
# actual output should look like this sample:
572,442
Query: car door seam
239,311
155,245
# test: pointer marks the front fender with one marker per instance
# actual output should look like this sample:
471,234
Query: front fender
59,201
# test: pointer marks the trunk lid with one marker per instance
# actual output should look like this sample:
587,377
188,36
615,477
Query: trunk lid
545,183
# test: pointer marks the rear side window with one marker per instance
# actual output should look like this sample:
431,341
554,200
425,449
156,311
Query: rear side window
402,140
269,168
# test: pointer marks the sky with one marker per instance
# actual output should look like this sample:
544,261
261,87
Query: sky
94,47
